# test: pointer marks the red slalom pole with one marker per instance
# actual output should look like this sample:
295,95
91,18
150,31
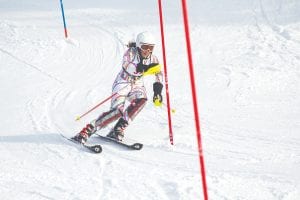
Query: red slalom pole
166,73
193,86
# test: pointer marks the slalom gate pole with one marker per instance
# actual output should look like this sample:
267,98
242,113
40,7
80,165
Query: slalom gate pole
165,72
64,20
194,95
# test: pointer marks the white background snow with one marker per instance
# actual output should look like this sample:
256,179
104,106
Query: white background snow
247,64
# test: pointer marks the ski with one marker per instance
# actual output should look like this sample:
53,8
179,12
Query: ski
133,145
93,148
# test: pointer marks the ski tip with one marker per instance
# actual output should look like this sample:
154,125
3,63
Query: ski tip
137,146
77,118
97,149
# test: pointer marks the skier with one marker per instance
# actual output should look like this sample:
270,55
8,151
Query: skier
138,61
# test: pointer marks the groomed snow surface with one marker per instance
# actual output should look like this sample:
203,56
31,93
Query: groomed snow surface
247,64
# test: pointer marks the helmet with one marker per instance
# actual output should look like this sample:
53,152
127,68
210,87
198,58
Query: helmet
145,38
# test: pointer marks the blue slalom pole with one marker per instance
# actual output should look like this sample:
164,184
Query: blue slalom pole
64,20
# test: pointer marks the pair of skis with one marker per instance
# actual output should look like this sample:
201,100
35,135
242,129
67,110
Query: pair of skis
97,148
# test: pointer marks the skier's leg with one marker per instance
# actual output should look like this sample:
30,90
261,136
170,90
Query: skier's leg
117,106
112,115
138,99
116,111
134,108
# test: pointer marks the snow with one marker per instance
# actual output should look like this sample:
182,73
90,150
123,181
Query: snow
246,57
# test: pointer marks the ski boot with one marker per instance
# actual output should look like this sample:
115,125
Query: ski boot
85,133
117,132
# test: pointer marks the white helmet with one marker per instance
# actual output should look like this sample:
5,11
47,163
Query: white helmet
145,38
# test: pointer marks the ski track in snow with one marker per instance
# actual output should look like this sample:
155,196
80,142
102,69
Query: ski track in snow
248,91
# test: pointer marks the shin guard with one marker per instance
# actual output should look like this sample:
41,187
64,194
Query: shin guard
108,117
134,108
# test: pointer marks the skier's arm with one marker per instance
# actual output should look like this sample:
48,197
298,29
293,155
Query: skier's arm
153,69
157,89
150,69
128,57
157,85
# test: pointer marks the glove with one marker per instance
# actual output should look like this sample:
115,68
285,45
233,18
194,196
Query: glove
157,88
143,68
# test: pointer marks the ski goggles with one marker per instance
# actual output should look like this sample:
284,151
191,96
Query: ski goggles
147,47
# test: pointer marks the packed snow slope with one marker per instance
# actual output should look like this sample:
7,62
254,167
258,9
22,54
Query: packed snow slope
247,64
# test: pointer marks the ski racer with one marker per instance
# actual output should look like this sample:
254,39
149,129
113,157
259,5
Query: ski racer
138,61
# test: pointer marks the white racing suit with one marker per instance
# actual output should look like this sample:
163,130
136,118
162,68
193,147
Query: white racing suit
128,86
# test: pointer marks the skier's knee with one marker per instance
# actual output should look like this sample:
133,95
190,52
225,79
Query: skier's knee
135,107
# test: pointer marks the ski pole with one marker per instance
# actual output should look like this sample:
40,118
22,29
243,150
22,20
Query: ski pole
99,104
102,102
163,105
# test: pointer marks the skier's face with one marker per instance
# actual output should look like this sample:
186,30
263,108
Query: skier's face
146,49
